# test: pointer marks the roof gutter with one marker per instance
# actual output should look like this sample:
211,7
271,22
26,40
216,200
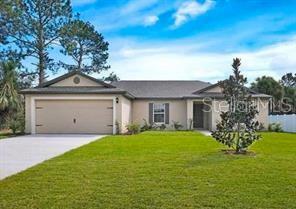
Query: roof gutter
124,93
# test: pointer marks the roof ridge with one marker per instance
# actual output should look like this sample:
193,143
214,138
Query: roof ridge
163,80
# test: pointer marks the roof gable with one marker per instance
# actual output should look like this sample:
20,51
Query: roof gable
215,88
76,79
71,82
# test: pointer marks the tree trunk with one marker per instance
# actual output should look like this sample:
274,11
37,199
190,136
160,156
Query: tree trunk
79,63
80,57
41,48
41,68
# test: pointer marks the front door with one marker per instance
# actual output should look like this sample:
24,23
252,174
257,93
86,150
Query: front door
197,115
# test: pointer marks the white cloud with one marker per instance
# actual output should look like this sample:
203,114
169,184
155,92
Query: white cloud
150,20
133,13
170,62
134,6
82,2
191,9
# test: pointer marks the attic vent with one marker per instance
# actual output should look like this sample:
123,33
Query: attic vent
76,80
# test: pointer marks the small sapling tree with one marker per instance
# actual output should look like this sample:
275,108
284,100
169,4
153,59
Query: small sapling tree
237,128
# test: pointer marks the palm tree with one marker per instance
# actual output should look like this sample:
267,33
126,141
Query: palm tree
9,97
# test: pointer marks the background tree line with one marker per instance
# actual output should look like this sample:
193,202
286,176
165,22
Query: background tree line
283,92
29,31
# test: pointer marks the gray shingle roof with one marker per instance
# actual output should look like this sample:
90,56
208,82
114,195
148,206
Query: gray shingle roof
134,89
160,89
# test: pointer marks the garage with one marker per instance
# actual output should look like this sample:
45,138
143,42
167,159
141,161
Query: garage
74,116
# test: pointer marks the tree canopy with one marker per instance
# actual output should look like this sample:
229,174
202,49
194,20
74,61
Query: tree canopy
283,92
31,27
111,78
289,80
268,85
85,46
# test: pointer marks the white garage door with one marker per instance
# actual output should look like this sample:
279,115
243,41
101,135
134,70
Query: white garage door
74,116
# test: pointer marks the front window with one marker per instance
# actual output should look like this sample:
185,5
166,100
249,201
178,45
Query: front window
158,113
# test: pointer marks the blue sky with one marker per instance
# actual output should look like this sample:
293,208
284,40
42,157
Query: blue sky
195,39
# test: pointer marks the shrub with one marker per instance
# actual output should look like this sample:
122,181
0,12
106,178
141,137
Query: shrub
275,127
177,126
16,126
17,123
146,126
13,125
133,128
261,127
22,125
162,127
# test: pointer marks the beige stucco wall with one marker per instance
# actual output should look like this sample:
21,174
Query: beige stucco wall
83,82
28,113
218,106
177,112
216,89
189,113
221,105
119,109
263,108
126,113
140,111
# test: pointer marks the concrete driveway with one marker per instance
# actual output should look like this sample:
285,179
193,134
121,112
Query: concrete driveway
20,153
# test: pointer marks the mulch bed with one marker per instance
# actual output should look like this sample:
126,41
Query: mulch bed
232,152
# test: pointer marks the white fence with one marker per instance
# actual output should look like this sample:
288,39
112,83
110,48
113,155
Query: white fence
288,122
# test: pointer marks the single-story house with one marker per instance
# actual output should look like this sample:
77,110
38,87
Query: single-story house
78,103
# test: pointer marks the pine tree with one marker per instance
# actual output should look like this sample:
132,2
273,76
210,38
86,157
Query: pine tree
111,78
85,46
32,27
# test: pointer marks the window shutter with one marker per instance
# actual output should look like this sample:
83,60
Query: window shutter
167,113
150,113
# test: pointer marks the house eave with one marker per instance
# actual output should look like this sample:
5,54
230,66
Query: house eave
222,97
158,98
28,92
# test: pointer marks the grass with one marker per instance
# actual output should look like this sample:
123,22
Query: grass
160,170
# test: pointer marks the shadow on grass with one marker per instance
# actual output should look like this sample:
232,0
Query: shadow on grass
218,157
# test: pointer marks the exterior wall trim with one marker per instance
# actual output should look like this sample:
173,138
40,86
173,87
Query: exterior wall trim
33,110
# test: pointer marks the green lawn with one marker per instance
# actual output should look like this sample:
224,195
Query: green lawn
160,170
